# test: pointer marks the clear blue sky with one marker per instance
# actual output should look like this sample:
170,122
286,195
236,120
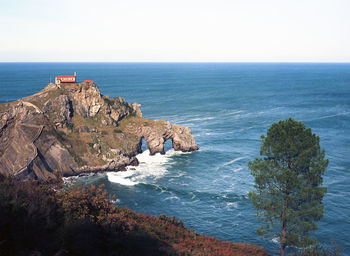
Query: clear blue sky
176,30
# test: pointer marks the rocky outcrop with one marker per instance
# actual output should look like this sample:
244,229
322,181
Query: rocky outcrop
27,151
86,100
59,110
68,129
183,139
156,136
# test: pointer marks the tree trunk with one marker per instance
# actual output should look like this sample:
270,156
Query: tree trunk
284,217
283,237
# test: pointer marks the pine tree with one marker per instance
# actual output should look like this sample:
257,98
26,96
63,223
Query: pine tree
288,183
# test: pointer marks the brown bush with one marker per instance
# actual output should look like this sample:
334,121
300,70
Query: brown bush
35,219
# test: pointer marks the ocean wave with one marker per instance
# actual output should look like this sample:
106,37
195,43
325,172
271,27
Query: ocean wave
201,119
233,161
232,204
234,112
171,198
179,174
122,178
150,169
329,116
238,169
85,178
276,240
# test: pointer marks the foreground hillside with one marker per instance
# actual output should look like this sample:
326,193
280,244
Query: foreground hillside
37,220
68,129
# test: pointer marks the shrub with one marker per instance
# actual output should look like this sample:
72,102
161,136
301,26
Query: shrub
322,250
37,219
108,101
70,126
172,220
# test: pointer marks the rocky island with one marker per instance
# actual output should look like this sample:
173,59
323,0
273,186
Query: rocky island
69,129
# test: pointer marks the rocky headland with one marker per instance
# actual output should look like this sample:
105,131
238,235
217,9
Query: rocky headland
70,129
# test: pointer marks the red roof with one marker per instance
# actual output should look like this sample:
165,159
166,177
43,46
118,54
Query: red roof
89,81
65,76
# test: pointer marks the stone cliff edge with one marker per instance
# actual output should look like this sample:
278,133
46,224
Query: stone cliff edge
70,129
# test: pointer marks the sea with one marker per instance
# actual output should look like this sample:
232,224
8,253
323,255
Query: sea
228,106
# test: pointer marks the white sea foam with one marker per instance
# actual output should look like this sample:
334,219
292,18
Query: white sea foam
238,169
234,112
123,178
201,119
329,116
171,198
71,180
233,161
276,240
211,133
150,168
232,204
179,174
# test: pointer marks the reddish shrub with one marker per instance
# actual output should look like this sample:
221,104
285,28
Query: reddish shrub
34,218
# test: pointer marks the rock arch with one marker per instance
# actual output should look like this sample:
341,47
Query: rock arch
156,135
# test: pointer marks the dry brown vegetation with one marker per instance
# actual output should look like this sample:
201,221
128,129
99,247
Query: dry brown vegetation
35,219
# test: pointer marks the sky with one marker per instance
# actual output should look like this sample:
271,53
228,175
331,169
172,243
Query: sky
175,31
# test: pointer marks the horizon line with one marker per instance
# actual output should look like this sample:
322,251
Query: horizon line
240,62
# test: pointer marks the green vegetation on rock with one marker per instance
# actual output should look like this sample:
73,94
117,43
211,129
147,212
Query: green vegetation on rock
117,131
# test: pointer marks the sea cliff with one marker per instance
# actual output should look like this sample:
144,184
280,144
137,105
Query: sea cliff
69,129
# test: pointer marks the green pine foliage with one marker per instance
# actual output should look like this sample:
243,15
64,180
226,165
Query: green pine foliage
321,250
288,183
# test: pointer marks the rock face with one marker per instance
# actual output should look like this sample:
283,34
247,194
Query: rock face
68,129
59,110
156,136
183,139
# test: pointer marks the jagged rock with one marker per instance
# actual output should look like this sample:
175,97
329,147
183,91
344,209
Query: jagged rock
120,108
71,129
183,139
155,136
87,100
59,109
137,109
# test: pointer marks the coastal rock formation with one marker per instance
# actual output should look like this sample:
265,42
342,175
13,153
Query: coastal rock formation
157,135
69,129
183,139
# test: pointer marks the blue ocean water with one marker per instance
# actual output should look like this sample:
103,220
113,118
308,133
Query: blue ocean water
227,106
